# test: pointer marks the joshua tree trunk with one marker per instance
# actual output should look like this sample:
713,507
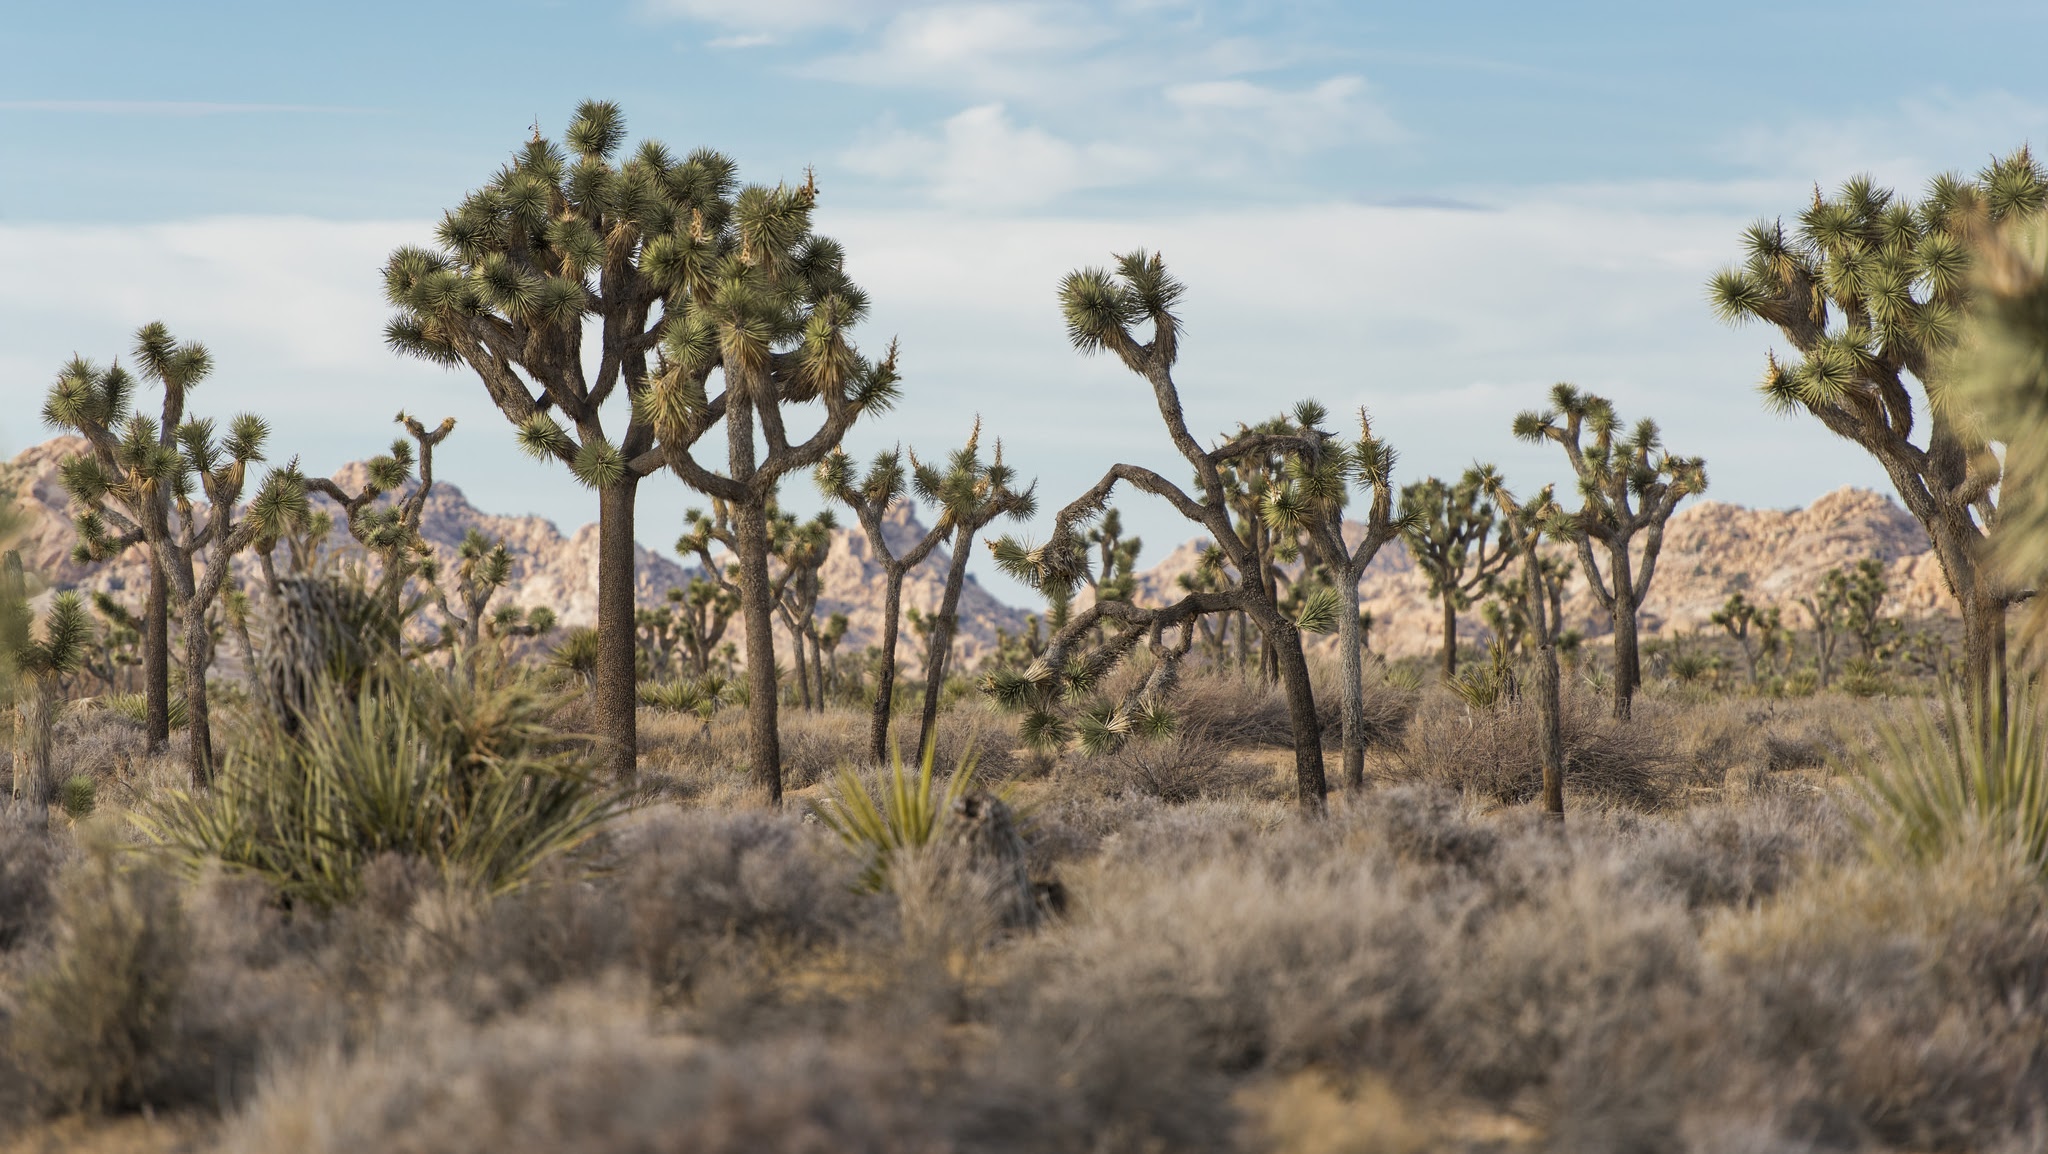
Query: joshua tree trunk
156,659
818,667
750,529
943,623
617,722
1984,668
885,670
1450,637
198,731
35,720
1353,666
803,668
1550,735
1310,787
1628,669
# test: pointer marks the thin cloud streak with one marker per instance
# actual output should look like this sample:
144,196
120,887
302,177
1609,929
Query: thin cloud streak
165,107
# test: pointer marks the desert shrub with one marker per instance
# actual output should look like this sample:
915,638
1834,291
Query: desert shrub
470,778
29,858
134,708
689,881
1492,754
1902,1004
588,1074
1430,826
1726,856
98,1027
1236,712
1177,768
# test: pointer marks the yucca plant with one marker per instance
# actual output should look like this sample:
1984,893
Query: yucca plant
470,778
908,815
1942,785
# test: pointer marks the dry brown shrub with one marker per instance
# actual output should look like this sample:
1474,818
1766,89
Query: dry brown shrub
1180,767
1492,754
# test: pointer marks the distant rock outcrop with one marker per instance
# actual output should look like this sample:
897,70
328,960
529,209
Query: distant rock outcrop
548,568
1711,549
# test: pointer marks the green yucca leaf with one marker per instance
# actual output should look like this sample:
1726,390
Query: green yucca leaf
1320,610
545,440
1738,295
598,463
1096,308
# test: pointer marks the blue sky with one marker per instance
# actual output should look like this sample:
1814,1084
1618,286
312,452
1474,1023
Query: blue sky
1431,210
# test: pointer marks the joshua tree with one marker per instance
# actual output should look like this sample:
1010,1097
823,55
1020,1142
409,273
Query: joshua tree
969,493
803,554
392,533
1863,592
1247,481
40,665
767,303
1526,525
1507,614
118,482
704,609
1310,502
1627,485
221,469
1448,529
139,476
1101,309
482,566
871,496
1869,291
1827,607
1738,616
554,247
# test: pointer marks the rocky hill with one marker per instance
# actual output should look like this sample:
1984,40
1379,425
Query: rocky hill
548,568
1711,549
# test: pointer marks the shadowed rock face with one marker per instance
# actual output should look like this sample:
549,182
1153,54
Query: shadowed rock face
548,568
1711,549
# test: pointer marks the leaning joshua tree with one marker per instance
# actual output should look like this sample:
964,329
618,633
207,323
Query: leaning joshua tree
1628,485
1102,308
1450,531
552,254
1525,527
116,482
871,496
970,493
1310,501
1870,291
765,302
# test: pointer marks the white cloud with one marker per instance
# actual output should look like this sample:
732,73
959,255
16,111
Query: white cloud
981,160
1903,146
773,15
1335,112
1028,50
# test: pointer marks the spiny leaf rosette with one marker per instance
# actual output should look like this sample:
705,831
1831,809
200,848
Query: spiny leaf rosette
1870,289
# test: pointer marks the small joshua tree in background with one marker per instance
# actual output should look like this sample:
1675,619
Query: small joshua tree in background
970,493
1628,485
1450,530
871,496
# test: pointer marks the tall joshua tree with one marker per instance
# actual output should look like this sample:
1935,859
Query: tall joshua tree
117,482
391,532
1102,309
803,554
1870,290
871,496
1526,524
1450,530
1628,485
970,493
1310,501
558,246
766,303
